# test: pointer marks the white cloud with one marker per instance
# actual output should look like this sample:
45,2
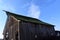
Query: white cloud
34,11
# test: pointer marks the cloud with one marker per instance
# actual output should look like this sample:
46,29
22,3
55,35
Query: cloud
33,11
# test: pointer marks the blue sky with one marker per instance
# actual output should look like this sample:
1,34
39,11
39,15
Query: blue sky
45,10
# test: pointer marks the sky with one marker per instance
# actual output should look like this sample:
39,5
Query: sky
45,10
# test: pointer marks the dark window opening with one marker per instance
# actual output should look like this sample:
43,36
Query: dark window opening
16,36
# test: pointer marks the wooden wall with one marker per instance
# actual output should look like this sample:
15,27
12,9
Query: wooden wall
11,28
29,30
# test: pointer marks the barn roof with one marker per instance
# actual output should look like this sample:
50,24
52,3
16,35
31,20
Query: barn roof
25,18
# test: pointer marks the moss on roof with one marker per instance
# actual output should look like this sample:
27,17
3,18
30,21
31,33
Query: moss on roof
29,19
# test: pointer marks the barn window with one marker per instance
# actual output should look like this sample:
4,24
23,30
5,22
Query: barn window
6,35
16,36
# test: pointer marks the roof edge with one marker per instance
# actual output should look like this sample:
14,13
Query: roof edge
8,13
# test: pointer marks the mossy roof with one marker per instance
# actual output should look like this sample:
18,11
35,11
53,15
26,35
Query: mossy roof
29,19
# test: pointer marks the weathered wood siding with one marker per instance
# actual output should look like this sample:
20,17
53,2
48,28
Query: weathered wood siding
47,30
11,28
24,30
29,30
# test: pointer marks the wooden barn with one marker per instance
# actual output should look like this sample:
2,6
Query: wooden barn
20,27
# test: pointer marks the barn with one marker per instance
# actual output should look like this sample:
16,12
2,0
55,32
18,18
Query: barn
19,27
